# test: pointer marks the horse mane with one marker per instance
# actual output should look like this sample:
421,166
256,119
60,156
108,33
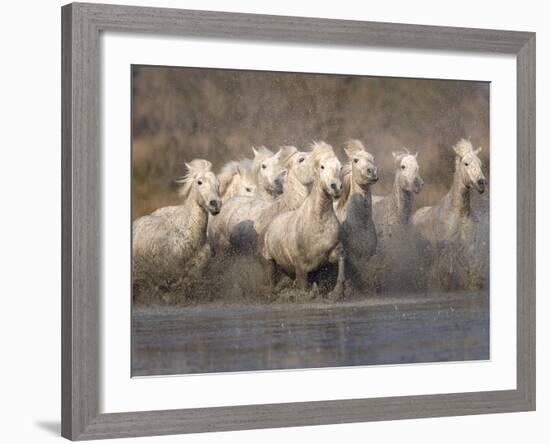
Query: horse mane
398,155
320,150
231,168
353,146
286,154
194,168
346,186
246,163
463,147
227,174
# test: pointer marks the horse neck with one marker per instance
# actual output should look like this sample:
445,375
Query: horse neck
191,216
401,202
227,185
319,203
232,189
364,204
229,193
458,197
294,194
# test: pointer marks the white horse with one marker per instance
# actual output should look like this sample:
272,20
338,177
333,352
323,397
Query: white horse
354,211
269,174
450,226
302,240
169,246
392,213
399,263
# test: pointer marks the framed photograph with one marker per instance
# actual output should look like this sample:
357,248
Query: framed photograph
282,221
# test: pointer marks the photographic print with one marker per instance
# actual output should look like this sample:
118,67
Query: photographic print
302,220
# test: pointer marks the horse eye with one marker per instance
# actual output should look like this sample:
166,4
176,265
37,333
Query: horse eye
200,182
322,167
301,160
248,190
264,166
402,167
466,163
356,160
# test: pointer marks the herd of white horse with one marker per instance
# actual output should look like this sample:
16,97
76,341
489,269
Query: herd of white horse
297,212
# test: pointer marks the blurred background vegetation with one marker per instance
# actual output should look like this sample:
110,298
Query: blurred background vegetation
179,114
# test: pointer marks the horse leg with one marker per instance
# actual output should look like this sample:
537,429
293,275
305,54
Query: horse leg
270,273
337,292
301,279
354,284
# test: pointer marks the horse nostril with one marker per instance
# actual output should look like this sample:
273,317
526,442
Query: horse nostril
369,170
482,182
214,203
333,186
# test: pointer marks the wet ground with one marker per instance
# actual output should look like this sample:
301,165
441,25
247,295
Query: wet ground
380,330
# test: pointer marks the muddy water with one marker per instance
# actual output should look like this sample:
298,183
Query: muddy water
285,336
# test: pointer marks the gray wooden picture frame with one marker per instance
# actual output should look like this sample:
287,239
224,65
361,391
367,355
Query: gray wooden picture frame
81,243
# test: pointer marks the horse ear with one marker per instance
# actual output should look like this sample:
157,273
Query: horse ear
416,155
255,151
348,152
478,150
